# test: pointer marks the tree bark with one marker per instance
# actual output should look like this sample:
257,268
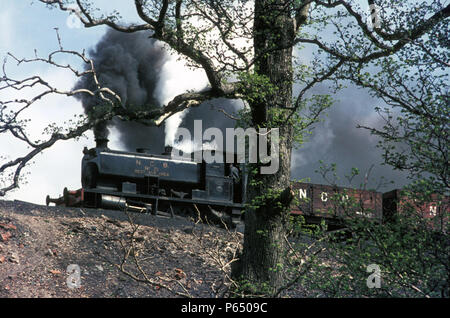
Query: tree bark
264,246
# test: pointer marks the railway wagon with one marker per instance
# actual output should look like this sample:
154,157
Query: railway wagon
333,204
435,210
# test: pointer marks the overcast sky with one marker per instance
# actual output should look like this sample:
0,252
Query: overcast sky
26,26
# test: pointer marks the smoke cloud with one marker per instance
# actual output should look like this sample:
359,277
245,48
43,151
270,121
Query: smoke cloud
337,140
130,65
145,75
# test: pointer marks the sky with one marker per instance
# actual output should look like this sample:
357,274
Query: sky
26,26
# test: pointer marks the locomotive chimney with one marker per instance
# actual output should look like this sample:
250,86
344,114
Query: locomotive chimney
101,142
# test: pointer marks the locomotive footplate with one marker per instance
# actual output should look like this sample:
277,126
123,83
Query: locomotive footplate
107,199
90,193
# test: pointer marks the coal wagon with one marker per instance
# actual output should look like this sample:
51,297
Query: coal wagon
333,204
434,210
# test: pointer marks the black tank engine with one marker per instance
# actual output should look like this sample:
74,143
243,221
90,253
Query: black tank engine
160,183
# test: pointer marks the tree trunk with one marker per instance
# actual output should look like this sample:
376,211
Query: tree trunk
264,244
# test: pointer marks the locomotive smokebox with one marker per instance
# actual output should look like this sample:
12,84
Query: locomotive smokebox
101,142
167,150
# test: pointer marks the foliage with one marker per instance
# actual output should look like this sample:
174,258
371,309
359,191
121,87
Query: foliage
414,85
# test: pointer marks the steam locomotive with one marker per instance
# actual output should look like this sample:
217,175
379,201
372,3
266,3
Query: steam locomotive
161,184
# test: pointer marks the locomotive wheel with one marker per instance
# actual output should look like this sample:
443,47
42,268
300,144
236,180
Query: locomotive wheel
89,176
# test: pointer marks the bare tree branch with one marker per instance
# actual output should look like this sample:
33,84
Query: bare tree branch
402,37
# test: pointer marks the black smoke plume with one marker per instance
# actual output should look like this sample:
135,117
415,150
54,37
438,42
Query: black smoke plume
338,140
130,65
